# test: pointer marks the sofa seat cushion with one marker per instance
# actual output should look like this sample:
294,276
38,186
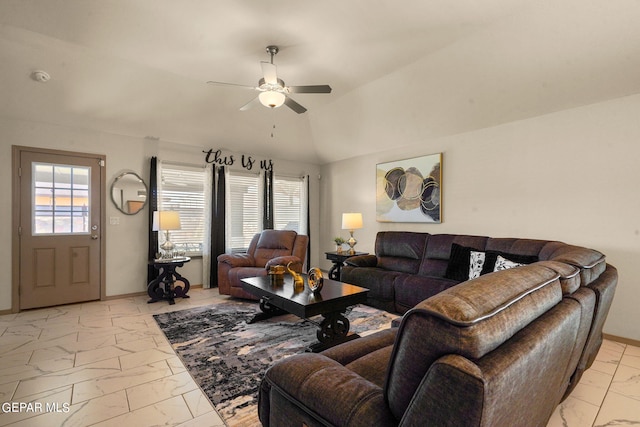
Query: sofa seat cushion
410,290
378,281
243,273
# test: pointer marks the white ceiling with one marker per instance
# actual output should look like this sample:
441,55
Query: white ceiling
400,71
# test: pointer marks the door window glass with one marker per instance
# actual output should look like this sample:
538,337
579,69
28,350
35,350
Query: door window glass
60,199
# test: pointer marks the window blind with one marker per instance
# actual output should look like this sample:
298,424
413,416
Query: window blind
181,189
244,210
288,206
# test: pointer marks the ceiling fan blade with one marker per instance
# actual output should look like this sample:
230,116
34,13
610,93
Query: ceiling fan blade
294,105
231,84
269,73
250,104
310,89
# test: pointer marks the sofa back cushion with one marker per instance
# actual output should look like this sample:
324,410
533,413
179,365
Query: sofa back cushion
273,243
400,251
470,320
438,255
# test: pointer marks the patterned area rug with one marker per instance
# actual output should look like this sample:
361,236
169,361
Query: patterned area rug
227,357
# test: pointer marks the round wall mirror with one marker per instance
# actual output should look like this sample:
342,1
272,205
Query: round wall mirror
129,193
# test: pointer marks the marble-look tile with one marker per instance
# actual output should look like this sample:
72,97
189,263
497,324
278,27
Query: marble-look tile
146,356
53,364
7,389
14,359
89,344
573,413
198,403
172,411
627,383
631,357
161,389
176,365
82,415
130,322
31,345
50,353
108,352
26,330
48,400
210,419
618,410
70,376
592,387
140,334
119,380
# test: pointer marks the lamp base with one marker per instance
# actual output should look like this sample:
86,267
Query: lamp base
352,242
167,246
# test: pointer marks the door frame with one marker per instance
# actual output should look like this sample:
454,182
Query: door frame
16,151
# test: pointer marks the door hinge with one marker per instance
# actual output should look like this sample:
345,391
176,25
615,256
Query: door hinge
101,162
19,231
19,172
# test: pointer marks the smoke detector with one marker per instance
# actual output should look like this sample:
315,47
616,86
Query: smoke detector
40,76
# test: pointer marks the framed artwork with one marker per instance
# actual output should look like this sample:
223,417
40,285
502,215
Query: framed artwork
410,190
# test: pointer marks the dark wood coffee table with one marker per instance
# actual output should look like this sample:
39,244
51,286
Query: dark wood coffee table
332,302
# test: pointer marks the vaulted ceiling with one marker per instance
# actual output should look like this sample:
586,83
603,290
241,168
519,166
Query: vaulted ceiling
401,72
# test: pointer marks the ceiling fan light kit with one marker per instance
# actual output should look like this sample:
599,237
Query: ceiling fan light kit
273,92
271,98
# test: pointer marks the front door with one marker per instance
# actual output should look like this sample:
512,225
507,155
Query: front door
60,228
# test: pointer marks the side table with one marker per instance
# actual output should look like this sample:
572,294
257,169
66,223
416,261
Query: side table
163,287
338,259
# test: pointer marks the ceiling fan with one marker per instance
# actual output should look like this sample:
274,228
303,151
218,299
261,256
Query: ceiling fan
273,92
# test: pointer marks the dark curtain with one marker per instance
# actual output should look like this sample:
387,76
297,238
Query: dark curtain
267,217
152,273
217,222
308,225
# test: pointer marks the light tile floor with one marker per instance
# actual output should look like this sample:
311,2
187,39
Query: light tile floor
108,364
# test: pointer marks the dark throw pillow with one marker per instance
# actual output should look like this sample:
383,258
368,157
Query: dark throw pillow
459,260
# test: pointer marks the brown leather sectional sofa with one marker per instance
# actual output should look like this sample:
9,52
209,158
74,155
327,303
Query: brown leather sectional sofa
500,349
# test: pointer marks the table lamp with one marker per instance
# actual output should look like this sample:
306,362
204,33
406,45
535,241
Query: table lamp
351,221
165,221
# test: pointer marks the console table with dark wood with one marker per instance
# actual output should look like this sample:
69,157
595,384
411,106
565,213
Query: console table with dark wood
338,259
167,277
332,302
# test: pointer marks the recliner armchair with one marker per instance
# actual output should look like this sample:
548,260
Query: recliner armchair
271,247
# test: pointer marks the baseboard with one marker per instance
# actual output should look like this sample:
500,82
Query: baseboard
135,294
3,312
621,340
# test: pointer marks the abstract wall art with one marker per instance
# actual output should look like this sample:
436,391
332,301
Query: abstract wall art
410,190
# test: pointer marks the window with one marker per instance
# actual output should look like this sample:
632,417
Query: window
245,203
181,189
60,199
289,209
244,209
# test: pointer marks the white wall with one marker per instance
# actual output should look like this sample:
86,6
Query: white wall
570,176
126,258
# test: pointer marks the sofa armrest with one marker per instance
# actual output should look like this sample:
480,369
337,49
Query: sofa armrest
284,260
362,261
237,260
323,388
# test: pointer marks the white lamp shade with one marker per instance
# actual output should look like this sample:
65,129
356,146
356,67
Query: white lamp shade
271,99
351,221
166,220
